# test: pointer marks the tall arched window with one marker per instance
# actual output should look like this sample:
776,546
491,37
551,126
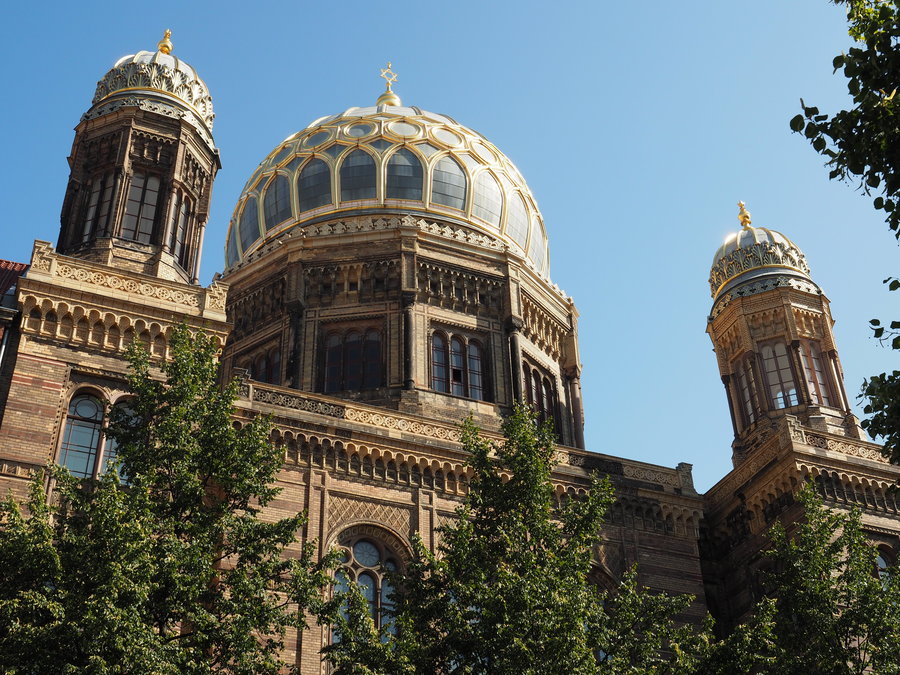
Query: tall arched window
816,379
517,220
314,185
540,393
353,361
448,185
140,208
537,247
779,374
99,201
457,366
404,176
277,202
357,176
746,390
182,217
488,198
249,225
83,450
367,562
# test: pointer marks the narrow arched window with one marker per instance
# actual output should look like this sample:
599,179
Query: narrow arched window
537,247
249,225
182,217
816,379
82,436
231,251
779,375
540,393
140,208
333,357
357,176
274,362
314,185
517,220
476,382
353,361
277,202
372,360
99,201
457,367
448,185
746,389
404,176
488,198
439,379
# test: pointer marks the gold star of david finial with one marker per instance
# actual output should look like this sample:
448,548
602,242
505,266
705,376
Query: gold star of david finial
165,45
744,215
388,97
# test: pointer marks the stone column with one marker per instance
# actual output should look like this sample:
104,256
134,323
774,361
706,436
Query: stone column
408,300
574,376
515,356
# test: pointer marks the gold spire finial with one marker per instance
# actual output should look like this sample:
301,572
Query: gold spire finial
165,45
388,97
744,215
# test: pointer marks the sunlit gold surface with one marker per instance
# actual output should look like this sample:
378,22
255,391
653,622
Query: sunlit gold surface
744,215
165,45
388,97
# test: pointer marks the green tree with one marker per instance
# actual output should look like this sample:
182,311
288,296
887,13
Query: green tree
175,571
508,591
862,146
833,615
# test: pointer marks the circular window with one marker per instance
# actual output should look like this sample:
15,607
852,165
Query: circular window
359,130
447,137
316,139
365,553
404,129
483,151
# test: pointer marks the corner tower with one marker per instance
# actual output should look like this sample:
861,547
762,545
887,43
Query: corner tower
142,168
770,325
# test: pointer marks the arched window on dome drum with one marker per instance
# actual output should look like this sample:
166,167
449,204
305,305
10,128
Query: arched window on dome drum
404,176
517,220
231,251
277,202
457,366
314,185
357,176
249,225
353,361
816,379
488,198
537,247
448,185
140,208
97,209
779,375
182,219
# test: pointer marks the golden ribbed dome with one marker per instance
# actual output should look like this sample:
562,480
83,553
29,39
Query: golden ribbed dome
388,159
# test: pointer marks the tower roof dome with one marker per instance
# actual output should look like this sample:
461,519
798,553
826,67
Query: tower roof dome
753,254
388,159
160,79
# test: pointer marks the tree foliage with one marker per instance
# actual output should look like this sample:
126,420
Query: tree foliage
172,570
508,591
862,146
833,615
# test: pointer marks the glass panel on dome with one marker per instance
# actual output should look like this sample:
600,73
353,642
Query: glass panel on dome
449,184
426,149
380,144
537,247
483,151
517,220
277,203
231,252
404,129
404,176
285,151
359,130
294,163
357,176
334,150
316,139
469,161
249,226
314,185
447,137
488,198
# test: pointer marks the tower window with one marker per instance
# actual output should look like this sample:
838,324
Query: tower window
457,366
357,176
779,375
140,208
448,186
181,226
540,393
353,361
314,185
99,200
84,450
277,203
404,176
816,380
266,367
746,389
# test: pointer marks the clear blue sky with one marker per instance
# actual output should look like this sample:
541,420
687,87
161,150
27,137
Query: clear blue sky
638,126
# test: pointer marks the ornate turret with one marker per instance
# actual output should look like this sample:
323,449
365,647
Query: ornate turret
771,328
142,167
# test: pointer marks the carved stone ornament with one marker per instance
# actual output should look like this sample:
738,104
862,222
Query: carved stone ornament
754,256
